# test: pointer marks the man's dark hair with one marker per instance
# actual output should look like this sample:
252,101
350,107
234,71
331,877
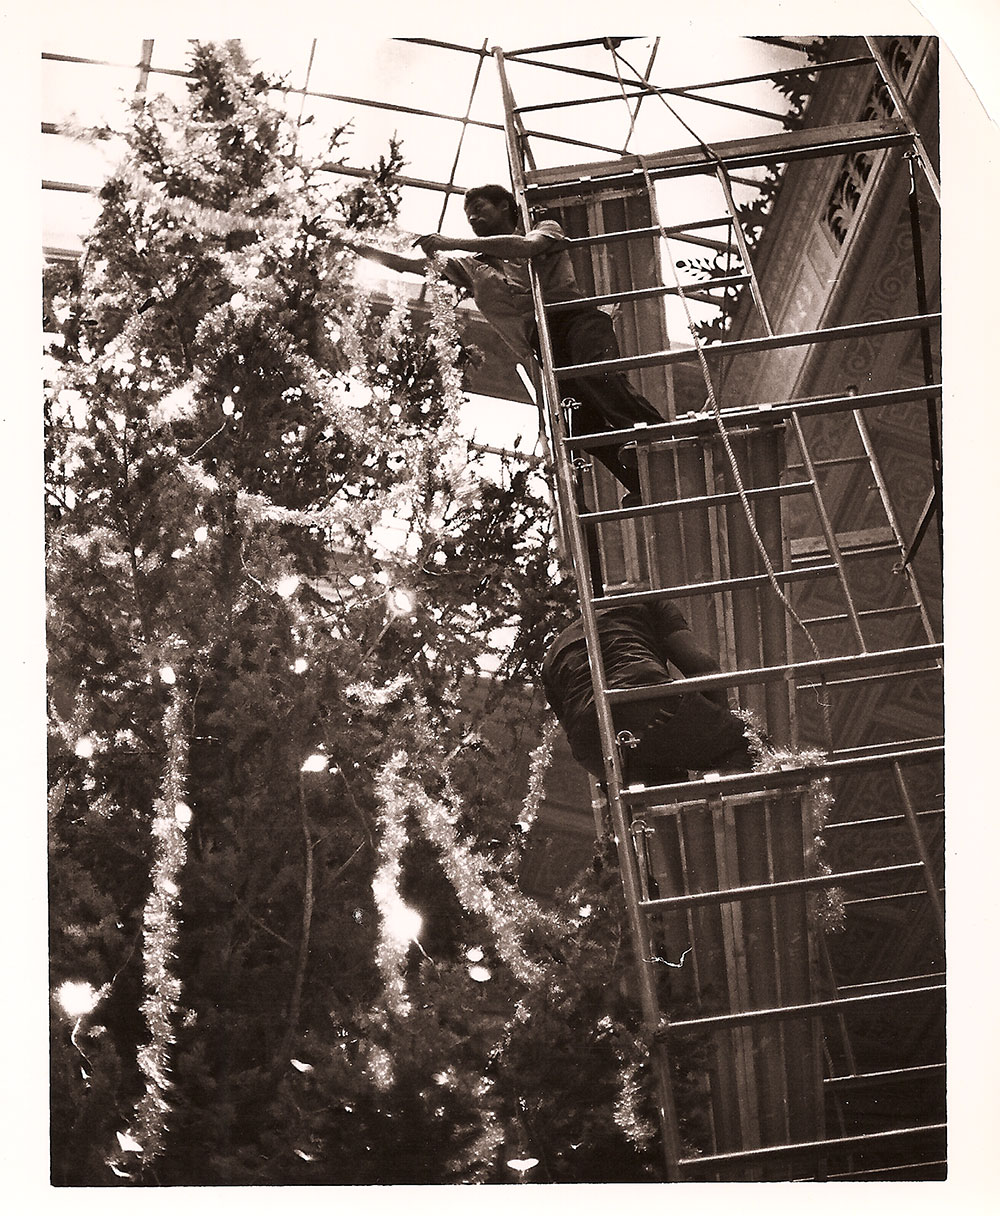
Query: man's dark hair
495,194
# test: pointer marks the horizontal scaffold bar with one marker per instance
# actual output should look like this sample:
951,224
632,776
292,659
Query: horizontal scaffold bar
898,673
902,981
689,590
681,232
568,46
813,337
863,613
667,799
809,1009
884,899
878,820
886,1173
888,1076
818,1147
765,675
645,293
770,149
705,500
765,890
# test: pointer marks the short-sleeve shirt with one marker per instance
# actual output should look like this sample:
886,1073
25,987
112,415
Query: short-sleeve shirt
631,647
502,290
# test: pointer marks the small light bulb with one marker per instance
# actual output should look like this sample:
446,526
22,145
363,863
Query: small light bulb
183,813
480,974
201,534
167,674
316,763
523,1164
403,924
77,997
300,665
84,747
288,585
400,601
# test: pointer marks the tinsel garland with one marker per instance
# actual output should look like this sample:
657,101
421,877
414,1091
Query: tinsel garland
391,951
517,911
538,766
637,1129
826,906
539,760
147,1130
506,912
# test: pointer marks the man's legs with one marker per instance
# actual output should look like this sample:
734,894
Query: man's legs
699,735
607,401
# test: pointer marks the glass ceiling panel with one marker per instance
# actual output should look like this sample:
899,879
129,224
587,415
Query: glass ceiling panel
429,78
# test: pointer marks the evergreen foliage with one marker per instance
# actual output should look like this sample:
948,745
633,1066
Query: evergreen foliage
267,542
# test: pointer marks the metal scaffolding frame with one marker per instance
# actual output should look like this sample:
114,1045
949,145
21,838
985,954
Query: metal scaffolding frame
630,807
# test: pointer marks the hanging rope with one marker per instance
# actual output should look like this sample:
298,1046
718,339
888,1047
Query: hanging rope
821,693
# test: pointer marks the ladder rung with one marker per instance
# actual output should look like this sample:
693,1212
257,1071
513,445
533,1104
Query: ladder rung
767,889
863,614
624,234
884,985
833,461
747,345
645,293
664,799
682,504
807,1010
914,1073
734,154
862,1140
848,550
882,659
879,820
884,899
768,413
713,588
898,674
851,753
886,1173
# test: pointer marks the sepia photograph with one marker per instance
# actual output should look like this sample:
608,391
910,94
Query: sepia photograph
494,564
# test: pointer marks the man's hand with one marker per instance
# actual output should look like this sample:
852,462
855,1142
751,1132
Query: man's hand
432,242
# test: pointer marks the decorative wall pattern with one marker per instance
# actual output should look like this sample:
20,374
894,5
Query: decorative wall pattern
850,184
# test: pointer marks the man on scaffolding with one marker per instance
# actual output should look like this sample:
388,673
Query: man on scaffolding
496,275
663,738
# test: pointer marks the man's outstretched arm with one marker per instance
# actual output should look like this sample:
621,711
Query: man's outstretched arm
401,262
504,245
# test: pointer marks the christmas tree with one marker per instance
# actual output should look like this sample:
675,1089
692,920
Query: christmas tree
287,944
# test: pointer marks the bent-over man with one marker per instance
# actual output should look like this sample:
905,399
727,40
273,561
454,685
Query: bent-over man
691,730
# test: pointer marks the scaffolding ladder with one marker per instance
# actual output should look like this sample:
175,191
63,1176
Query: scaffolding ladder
735,460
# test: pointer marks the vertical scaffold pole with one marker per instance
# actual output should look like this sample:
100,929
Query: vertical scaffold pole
903,110
652,1016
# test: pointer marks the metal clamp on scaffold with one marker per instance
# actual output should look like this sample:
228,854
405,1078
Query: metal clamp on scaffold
625,738
640,831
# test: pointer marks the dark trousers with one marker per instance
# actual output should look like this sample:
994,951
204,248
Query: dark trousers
607,401
675,734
